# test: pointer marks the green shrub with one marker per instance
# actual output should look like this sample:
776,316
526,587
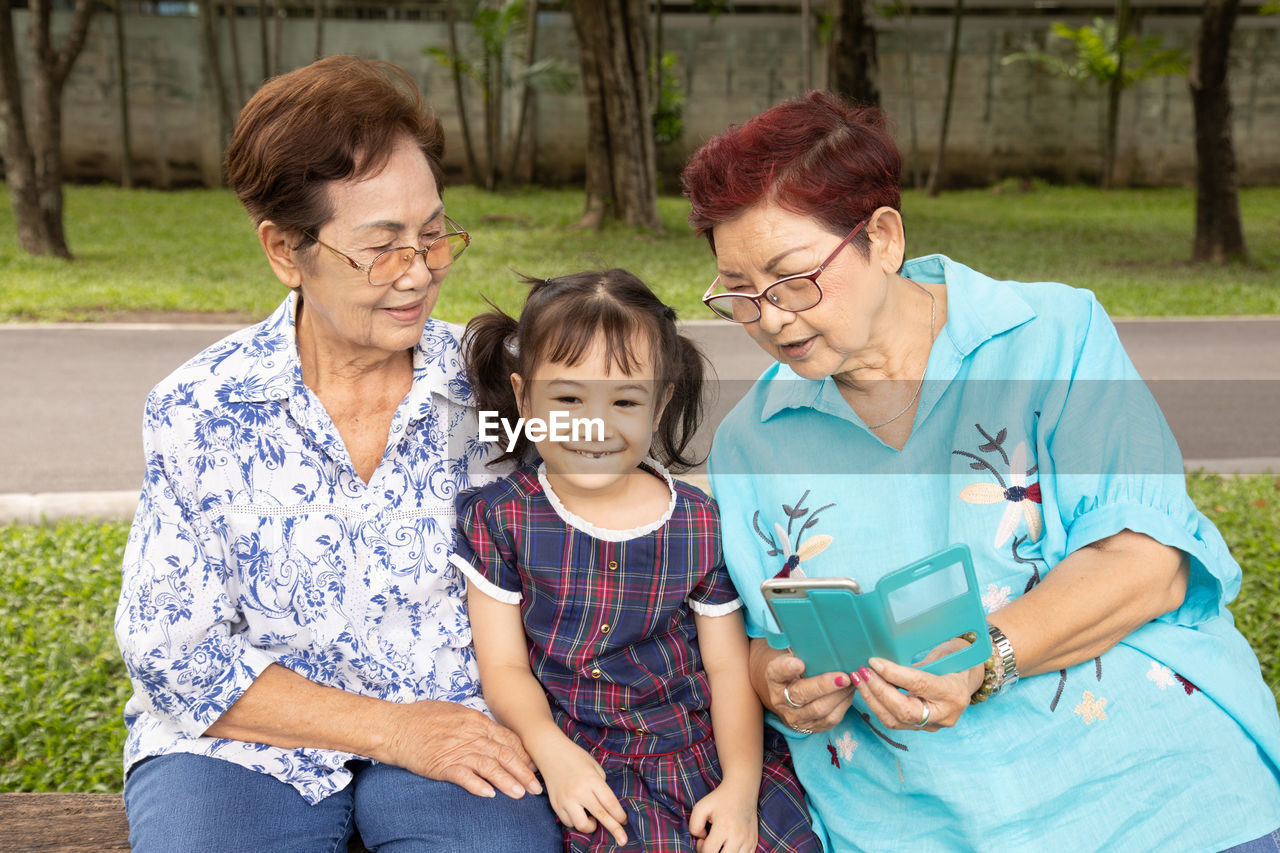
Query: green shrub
1247,511
65,685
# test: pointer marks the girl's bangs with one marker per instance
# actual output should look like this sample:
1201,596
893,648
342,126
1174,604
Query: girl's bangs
568,337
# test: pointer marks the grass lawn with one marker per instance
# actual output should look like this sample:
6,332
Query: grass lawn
61,698
144,253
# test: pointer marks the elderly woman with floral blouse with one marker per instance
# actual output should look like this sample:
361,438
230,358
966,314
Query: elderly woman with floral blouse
922,404
297,639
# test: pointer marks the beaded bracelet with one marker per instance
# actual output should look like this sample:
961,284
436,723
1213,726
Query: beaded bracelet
988,686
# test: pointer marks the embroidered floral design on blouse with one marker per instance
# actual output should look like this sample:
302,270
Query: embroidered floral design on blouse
794,557
842,747
1161,675
995,597
1187,686
866,718
1033,562
1023,499
1165,678
1091,708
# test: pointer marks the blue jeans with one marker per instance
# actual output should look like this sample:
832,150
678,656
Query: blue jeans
1269,843
190,802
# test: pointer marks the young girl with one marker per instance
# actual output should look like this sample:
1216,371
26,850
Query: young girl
605,625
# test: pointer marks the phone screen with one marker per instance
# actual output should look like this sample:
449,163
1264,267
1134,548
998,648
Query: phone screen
938,587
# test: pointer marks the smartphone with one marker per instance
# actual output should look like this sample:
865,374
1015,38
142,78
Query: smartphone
822,630
775,588
834,626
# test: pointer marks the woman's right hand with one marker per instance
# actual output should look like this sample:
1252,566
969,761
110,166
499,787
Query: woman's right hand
815,704
453,743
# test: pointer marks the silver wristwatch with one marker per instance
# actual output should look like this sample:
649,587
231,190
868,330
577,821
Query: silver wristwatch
1004,654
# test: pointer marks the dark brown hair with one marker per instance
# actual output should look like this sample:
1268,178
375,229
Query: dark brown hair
336,119
561,319
816,155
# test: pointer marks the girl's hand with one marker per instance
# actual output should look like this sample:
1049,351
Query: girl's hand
578,792
807,705
732,815
945,696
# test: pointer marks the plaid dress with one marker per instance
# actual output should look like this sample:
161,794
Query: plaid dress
609,619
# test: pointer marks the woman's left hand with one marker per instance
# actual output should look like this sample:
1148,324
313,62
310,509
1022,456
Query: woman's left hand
936,700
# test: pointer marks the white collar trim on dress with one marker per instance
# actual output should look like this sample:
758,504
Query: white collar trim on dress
604,533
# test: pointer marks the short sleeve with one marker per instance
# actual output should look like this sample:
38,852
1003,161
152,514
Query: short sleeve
715,594
483,551
1113,464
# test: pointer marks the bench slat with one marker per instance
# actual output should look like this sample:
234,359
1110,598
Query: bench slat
65,822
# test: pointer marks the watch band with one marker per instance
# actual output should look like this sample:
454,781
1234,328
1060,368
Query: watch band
1004,655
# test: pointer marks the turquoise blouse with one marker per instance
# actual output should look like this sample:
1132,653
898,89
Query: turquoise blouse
1034,436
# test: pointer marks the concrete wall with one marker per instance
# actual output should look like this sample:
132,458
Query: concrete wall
1008,120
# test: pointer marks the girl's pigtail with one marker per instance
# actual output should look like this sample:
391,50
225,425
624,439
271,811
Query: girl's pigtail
684,411
491,354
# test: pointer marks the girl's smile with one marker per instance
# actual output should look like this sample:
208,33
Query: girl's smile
598,454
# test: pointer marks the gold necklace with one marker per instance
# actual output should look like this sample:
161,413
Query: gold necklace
933,308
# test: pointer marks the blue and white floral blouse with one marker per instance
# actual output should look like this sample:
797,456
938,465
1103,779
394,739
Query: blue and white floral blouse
1034,437
255,542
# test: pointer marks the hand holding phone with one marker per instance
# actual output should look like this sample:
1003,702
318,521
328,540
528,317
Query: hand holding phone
833,626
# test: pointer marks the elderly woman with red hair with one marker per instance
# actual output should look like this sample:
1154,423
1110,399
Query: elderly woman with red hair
919,404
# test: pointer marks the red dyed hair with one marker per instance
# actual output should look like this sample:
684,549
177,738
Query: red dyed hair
815,155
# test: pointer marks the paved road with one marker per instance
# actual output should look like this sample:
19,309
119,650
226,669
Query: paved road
73,394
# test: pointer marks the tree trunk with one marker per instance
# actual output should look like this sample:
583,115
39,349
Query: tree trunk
526,92
492,85
613,38
46,132
935,173
655,85
806,45
233,41
264,42
1219,234
451,21
33,153
916,182
19,160
851,56
1111,129
277,38
319,14
208,14
122,74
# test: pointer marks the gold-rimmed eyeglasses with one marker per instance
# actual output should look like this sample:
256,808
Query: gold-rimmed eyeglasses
791,293
389,265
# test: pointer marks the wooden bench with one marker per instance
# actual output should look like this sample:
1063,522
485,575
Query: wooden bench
73,823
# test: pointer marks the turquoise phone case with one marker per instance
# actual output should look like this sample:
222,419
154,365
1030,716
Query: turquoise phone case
834,630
